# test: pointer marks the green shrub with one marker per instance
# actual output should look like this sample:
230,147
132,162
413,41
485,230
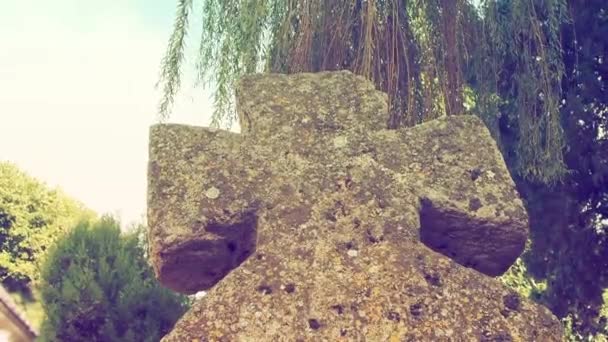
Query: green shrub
98,286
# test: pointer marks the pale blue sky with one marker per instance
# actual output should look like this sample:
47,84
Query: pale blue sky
77,95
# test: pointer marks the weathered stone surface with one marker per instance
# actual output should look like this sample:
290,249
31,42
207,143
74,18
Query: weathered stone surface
318,224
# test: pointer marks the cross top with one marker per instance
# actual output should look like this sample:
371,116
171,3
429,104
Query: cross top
310,107
316,216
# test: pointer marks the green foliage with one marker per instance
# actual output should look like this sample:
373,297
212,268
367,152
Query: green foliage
32,217
517,70
233,30
98,286
568,224
572,335
423,53
518,279
174,56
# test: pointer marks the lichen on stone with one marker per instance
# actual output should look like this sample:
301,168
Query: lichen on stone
212,193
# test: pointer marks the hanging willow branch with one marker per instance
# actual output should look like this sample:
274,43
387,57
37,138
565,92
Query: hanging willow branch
426,54
171,62
519,81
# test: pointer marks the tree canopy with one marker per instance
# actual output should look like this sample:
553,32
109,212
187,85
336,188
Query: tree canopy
32,218
569,221
428,55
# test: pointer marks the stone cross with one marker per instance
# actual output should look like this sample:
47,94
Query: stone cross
317,223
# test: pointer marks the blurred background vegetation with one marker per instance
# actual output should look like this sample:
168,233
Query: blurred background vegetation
75,275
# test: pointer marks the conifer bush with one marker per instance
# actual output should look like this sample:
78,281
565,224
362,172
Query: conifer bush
98,286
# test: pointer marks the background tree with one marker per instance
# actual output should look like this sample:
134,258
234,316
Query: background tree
32,218
516,67
569,220
98,286
533,70
424,53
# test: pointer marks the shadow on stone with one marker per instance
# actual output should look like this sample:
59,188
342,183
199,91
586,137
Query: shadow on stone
462,238
201,263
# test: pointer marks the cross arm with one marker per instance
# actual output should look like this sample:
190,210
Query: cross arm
469,208
202,205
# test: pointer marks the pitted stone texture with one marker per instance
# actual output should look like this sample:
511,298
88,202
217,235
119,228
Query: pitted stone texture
313,224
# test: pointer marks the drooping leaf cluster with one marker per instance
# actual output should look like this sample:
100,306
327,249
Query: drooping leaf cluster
98,286
426,54
32,218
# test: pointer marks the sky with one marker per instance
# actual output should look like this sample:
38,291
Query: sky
77,95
